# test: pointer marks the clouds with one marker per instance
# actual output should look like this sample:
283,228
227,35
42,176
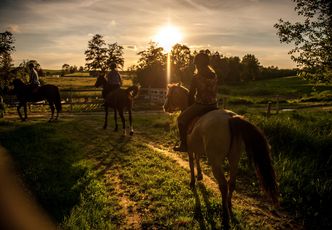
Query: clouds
58,31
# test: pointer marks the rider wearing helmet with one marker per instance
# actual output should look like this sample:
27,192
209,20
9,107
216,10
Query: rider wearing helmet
114,78
202,96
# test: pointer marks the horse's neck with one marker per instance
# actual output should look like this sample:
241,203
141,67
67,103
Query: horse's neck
184,103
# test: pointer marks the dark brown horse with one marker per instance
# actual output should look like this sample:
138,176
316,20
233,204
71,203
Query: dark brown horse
222,134
119,100
25,94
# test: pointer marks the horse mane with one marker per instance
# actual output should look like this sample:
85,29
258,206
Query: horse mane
18,82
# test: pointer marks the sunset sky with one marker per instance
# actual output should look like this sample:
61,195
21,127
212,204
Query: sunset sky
55,32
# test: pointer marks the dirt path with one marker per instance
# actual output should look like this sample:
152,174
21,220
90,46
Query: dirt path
252,210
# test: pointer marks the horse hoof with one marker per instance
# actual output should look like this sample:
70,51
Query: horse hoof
131,133
199,177
104,127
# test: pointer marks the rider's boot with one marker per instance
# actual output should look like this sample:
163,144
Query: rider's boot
183,138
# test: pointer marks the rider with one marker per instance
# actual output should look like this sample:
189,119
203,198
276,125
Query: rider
114,78
202,96
34,79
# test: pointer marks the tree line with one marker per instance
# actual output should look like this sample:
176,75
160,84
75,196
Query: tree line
152,63
312,39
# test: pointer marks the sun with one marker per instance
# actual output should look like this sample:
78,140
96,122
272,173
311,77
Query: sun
167,37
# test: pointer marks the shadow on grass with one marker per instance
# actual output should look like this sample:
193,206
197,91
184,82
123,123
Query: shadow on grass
108,161
47,161
208,213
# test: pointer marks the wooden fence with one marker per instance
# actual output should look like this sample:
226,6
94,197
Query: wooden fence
91,99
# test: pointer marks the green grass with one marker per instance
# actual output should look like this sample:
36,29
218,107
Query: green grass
72,166
287,88
302,144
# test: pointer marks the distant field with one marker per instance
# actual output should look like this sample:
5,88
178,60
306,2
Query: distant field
288,89
77,82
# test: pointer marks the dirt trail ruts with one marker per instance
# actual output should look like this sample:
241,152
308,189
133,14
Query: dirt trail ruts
133,219
252,210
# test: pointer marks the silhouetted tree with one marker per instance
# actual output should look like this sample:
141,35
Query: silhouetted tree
6,49
73,69
181,60
115,54
151,70
65,69
234,70
96,54
250,67
312,38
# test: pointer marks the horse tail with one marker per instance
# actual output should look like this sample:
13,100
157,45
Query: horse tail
258,150
57,101
133,90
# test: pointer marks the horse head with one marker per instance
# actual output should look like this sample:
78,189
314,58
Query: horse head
176,98
18,84
101,81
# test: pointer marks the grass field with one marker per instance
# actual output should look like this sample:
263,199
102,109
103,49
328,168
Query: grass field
89,178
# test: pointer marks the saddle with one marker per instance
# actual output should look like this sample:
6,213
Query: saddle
33,92
194,121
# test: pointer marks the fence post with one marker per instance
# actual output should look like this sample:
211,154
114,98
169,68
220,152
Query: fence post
268,112
71,99
277,104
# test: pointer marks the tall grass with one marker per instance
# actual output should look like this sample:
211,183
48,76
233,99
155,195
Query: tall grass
302,150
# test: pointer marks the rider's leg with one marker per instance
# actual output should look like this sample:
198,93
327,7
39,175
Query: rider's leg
183,122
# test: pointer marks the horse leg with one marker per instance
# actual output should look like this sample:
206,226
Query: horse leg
52,110
106,115
192,169
198,166
233,158
223,187
57,115
123,121
130,123
19,111
115,120
25,111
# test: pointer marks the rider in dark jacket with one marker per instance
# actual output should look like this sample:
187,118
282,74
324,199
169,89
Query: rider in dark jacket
202,97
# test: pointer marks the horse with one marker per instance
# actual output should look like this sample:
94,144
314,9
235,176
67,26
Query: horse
119,100
221,134
25,94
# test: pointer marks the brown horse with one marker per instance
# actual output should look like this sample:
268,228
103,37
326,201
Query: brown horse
119,100
50,93
220,134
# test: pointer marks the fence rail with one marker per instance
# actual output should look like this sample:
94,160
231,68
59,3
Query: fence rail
87,99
